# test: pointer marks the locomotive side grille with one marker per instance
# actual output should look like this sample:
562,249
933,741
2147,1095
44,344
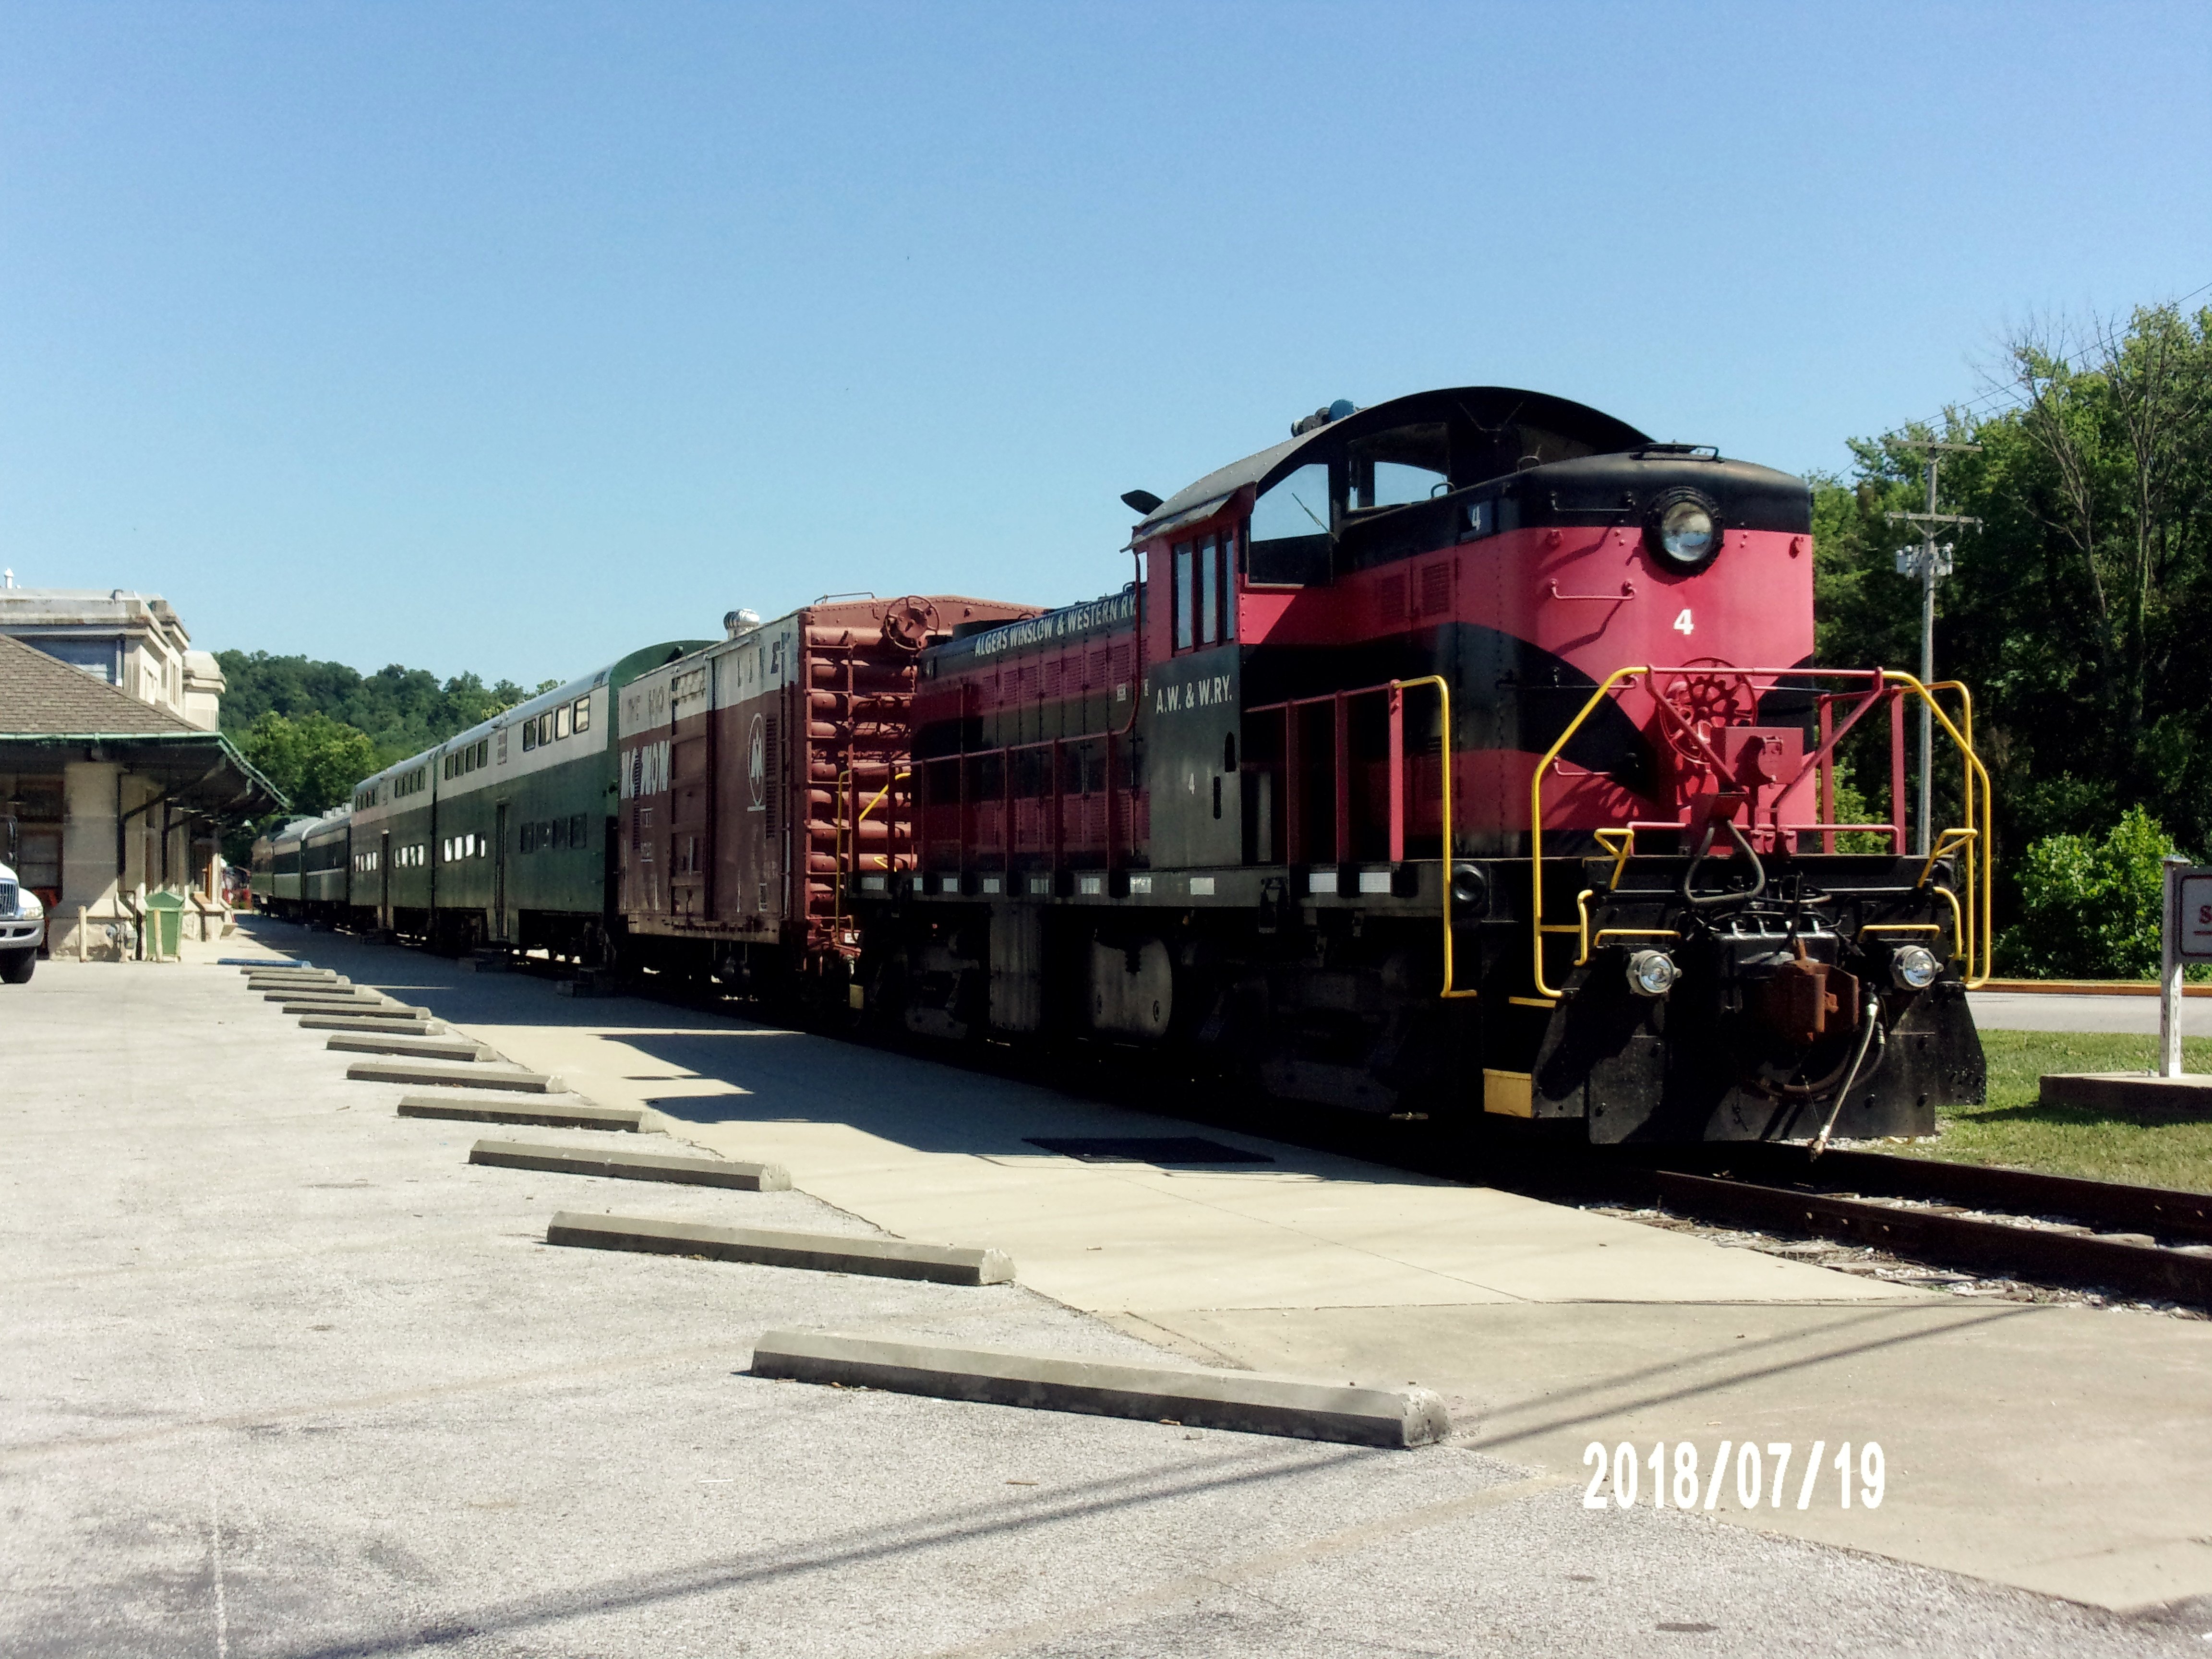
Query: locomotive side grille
1436,588
1390,600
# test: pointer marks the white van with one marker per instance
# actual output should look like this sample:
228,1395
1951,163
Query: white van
22,928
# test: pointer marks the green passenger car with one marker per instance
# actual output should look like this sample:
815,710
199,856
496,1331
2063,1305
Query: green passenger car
498,836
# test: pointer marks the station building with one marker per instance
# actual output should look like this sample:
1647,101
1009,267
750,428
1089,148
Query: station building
114,781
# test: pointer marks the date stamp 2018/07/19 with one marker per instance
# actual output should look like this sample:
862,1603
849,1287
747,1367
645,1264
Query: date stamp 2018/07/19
1695,1485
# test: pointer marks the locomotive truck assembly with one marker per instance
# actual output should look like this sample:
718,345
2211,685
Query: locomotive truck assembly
1463,755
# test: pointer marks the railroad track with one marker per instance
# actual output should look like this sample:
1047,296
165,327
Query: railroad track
2140,1241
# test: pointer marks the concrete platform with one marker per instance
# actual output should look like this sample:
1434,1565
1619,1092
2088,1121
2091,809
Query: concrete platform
2184,1099
459,1076
420,1047
619,1165
576,1114
826,1252
2068,1452
1249,1402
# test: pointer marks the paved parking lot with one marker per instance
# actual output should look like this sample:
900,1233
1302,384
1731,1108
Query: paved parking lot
284,1375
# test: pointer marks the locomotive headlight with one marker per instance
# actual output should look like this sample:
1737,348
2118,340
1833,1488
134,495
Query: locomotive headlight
1914,967
1652,973
1685,529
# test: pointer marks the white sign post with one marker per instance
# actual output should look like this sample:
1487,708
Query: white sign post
2186,938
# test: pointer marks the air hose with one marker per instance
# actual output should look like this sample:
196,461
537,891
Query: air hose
1871,1033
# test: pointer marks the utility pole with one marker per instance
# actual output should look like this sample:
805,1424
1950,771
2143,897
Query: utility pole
1925,564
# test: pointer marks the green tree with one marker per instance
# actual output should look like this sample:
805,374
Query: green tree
315,760
2077,613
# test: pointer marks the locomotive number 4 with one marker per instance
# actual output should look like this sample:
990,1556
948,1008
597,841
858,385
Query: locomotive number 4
1683,625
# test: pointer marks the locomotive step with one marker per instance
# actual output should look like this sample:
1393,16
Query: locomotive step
631,1166
536,1114
394,1024
463,1074
827,1253
420,1047
1245,1402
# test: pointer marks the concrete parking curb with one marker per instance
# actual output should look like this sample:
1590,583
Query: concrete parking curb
829,1253
575,1114
362,1009
341,999
467,1076
631,1166
465,1049
251,964
397,1024
1251,1402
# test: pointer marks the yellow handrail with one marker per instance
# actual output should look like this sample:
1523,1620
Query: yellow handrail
1537,821
1975,925
1444,865
1971,928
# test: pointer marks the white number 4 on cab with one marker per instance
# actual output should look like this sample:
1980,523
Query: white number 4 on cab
1683,625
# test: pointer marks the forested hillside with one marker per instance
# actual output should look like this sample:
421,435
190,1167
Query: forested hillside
317,728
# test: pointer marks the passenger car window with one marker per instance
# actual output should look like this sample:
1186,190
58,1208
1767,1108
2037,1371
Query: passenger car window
1290,534
561,721
583,720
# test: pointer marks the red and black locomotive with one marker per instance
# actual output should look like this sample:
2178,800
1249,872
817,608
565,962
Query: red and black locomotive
1462,754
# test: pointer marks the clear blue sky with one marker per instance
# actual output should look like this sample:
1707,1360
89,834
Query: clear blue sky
512,337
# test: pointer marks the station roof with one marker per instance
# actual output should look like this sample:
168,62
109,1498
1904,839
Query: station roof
51,713
1490,410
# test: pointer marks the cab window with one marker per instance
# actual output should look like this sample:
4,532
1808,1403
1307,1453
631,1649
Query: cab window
1290,527
1404,465
1186,591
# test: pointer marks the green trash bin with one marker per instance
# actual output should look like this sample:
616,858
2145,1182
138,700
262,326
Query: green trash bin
165,913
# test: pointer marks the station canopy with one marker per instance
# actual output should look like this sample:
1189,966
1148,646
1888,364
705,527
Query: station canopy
51,714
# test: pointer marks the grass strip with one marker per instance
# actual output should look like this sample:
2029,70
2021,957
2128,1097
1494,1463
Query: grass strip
2014,1131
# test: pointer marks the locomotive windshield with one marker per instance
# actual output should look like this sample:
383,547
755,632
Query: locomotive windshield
1291,529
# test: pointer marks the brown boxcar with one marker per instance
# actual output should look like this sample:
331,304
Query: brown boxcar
745,773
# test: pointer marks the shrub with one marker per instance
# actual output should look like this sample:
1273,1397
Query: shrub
2090,907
